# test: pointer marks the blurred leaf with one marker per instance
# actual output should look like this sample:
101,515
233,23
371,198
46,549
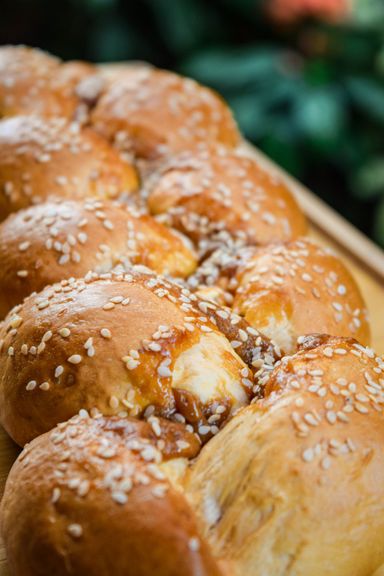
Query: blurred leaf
369,180
368,95
233,68
378,229
368,12
379,63
112,39
280,146
320,114
318,72
184,23
250,115
352,47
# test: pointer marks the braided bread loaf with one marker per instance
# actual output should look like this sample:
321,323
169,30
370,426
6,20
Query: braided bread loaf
186,371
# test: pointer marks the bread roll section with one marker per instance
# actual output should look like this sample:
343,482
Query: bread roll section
187,373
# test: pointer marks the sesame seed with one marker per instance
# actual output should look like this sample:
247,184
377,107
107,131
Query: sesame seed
326,463
182,445
194,544
243,335
119,497
116,299
308,455
154,346
361,408
64,332
159,491
47,336
58,371
74,359
362,398
164,371
340,351
55,495
22,273
331,417
64,259
75,530
310,419
130,363
31,385
108,306
41,347
105,333
342,417
44,386
24,246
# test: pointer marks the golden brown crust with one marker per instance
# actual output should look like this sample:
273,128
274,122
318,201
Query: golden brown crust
140,341
42,158
91,497
217,195
287,290
33,82
153,112
299,288
52,241
301,472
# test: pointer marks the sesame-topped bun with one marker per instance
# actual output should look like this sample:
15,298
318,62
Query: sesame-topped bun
92,498
48,242
219,195
41,158
294,484
294,289
121,344
153,113
33,82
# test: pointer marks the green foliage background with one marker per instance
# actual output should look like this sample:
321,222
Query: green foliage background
310,95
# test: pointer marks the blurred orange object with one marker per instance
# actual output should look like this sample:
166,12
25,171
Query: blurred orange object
288,11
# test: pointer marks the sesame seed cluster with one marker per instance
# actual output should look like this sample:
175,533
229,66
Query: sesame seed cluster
172,341
55,240
221,197
359,390
32,81
55,344
153,113
43,158
298,281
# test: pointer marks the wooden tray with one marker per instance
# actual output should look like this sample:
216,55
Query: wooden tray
363,257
